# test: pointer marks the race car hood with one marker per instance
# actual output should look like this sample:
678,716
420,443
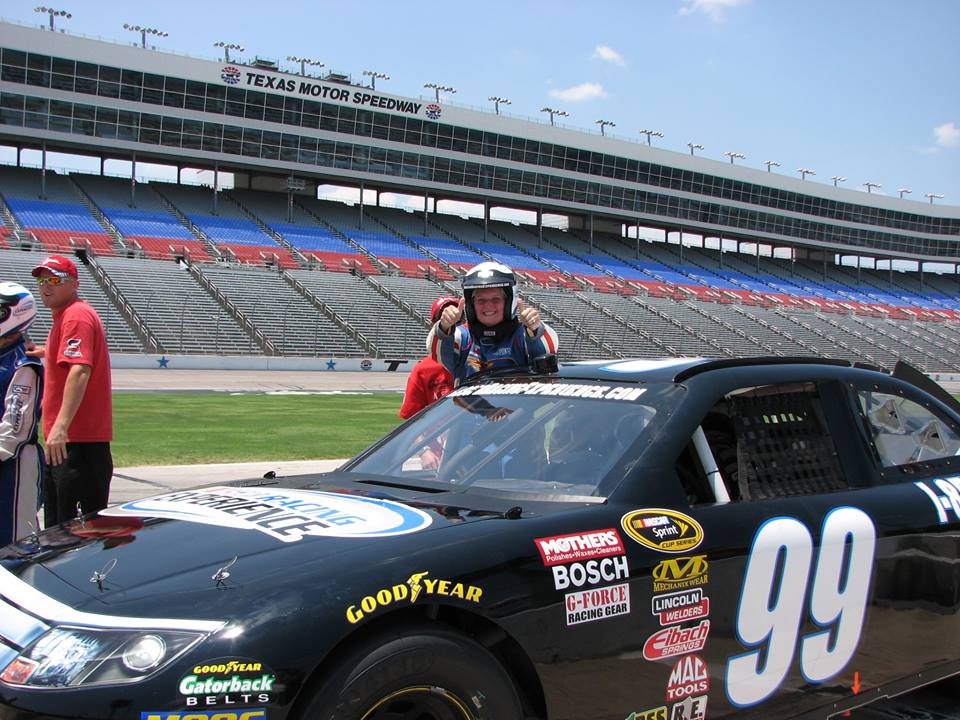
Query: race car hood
237,536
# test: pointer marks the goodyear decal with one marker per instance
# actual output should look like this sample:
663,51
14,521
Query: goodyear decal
407,592
663,530
286,515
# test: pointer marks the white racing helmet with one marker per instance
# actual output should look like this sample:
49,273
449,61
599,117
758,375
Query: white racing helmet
491,275
17,309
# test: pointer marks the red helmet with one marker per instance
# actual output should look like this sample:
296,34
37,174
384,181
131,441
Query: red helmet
438,305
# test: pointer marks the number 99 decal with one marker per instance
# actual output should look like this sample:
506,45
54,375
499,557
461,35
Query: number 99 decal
775,586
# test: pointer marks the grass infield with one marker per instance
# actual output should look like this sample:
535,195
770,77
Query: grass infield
176,429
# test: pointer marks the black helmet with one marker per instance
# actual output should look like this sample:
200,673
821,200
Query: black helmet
491,275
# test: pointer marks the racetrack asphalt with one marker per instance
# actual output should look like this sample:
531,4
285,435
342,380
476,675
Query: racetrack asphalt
131,483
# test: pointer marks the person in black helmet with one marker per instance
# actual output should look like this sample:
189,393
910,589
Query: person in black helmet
500,331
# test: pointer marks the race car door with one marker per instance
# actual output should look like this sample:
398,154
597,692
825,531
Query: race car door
820,570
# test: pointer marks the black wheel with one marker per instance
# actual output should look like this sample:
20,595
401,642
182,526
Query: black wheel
428,673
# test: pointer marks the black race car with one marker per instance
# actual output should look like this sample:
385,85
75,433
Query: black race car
675,540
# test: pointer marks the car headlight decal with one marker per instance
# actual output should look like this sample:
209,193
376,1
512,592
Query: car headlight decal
73,657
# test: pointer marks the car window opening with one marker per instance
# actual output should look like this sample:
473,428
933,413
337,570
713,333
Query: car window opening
765,442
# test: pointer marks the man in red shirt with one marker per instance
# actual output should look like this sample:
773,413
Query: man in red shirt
429,380
77,404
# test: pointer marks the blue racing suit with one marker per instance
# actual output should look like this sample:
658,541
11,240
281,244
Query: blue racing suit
21,459
463,354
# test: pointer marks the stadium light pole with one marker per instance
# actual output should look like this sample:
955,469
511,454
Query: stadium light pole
733,155
694,146
552,111
904,191
144,31
227,47
804,172
304,61
651,133
838,178
439,88
53,13
603,124
771,163
932,196
870,185
497,101
373,77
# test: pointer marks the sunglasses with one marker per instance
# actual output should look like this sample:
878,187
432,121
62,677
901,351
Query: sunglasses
51,280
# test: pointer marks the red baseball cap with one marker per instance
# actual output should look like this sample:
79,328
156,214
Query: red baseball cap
58,265
438,305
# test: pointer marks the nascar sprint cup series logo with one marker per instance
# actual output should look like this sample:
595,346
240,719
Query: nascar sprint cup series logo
663,530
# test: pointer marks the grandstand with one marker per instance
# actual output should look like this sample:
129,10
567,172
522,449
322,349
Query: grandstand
268,268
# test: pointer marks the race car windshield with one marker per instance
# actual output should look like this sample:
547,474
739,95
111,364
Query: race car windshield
550,439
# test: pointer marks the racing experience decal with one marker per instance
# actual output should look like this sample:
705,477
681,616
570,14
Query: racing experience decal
782,572
663,530
287,515
416,585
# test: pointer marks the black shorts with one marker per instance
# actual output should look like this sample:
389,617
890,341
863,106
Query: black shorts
84,477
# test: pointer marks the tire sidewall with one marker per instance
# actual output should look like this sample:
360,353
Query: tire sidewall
436,658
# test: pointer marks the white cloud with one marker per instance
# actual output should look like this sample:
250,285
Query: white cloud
580,93
714,9
948,135
608,54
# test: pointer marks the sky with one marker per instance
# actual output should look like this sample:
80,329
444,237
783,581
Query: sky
866,90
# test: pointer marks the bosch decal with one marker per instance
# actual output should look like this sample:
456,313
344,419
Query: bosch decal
657,713
676,641
287,515
579,546
945,496
678,607
663,530
676,573
597,604
409,591
590,573
693,708
688,677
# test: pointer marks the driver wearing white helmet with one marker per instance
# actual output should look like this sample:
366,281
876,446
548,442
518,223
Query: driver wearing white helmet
21,387
500,331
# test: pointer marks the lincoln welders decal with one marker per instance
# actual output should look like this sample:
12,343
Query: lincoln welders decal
286,515
664,530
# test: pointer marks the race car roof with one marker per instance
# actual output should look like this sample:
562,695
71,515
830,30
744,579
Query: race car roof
675,369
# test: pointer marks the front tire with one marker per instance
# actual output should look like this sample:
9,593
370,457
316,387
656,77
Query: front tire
428,673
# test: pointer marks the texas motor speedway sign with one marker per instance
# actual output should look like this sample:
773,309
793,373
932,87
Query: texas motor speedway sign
298,86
